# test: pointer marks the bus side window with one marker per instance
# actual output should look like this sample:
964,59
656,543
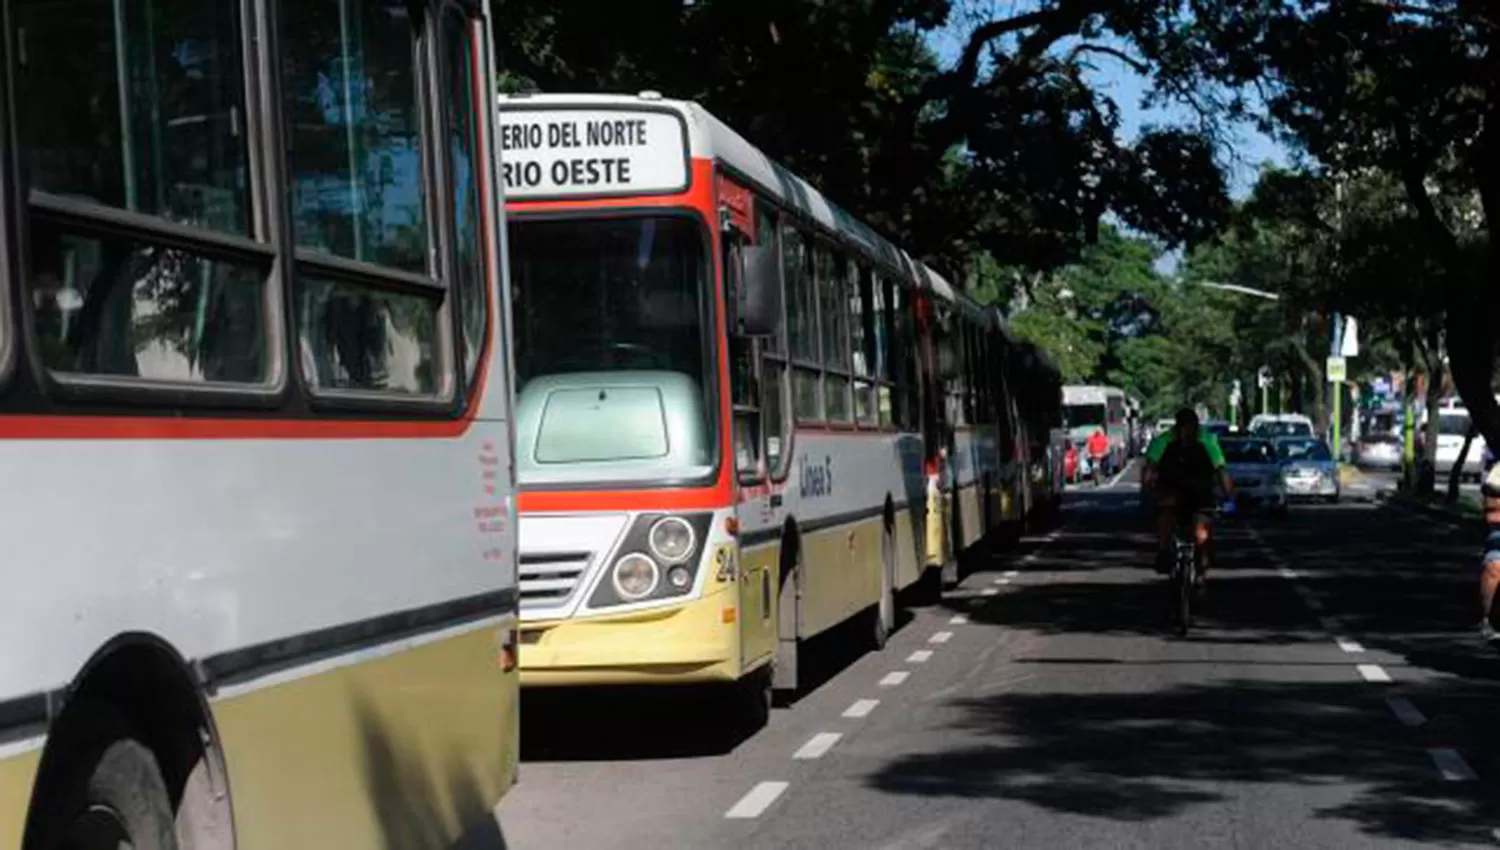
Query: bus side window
368,307
775,423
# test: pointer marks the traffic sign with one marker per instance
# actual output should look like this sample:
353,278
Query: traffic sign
1338,370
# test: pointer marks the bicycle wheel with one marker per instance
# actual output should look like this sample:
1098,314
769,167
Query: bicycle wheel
1183,578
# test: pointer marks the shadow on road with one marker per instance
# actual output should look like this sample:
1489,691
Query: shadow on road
642,723
1138,757
1401,588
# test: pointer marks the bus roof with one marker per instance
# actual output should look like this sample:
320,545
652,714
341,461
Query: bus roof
1089,394
710,138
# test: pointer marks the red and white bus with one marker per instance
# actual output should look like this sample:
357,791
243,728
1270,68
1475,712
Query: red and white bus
743,417
256,493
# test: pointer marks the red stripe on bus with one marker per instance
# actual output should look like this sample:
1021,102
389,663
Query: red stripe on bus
46,427
674,499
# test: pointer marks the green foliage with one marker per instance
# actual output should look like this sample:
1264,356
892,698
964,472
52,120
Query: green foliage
1005,154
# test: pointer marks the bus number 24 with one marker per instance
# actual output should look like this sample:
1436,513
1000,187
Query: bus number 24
815,480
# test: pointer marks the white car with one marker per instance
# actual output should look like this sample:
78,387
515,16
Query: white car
1275,425
1256,473
1453,427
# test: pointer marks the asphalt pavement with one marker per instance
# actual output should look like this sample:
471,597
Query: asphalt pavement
1332,694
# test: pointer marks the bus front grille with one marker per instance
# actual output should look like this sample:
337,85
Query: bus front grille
548,579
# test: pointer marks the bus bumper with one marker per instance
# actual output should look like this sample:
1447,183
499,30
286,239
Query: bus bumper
694,642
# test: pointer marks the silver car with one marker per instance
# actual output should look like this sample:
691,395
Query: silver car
1379,451
1308,469
1256,473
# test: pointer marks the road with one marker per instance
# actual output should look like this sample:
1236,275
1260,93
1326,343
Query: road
1333,695
1388,481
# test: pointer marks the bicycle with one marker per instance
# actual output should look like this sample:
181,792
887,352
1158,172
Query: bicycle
1187,562
1184,573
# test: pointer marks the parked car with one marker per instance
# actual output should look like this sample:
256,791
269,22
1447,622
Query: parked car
1453,427
1378,451
1276,425
1218,427
1256,472
1308,469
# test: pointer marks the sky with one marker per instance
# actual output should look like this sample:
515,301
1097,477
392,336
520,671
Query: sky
1249,149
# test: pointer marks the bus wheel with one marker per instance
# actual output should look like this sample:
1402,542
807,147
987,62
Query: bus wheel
111,794
752,699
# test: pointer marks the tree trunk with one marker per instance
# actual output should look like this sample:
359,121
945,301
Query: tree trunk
1427,476
1314,377
1456,475
1471,360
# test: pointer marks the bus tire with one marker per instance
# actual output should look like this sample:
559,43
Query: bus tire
752,700
111,792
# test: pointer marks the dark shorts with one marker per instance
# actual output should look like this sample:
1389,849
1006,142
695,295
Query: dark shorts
1492,546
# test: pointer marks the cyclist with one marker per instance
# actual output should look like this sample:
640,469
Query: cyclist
1098,447
1489,577
1182,466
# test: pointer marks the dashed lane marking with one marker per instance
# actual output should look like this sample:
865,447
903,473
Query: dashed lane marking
1010,573
940,637
861,708
1405,711
893,678
1287,573
817,745
990,591
1348,645
919,656
754,803
958,619
1451,765
1373,673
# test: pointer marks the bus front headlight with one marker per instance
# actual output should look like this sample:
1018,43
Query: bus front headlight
672,539
635,576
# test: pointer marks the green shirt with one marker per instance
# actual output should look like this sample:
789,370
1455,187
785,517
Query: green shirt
1210,442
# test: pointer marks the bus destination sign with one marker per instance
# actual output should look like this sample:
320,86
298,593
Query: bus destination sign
551,153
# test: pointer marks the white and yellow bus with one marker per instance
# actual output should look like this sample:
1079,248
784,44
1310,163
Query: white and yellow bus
256,488
743,417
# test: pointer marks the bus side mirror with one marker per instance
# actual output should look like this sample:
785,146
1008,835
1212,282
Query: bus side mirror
947,360
757,308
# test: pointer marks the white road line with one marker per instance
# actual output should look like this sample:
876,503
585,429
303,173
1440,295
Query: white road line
760,798
1374,673
1054,534
990,591
958,619
1405,711
817,745
1001,580
1010,573
919,657
1348,645
1116,480
893,678
940,637
1287,572
1031,558
861,708
1451,765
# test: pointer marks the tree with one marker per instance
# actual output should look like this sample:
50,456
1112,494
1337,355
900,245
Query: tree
1005,151
1408,92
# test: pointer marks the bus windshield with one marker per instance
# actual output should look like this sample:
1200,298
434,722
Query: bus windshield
1082,415
611,349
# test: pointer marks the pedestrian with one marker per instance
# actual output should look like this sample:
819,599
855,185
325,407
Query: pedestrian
1489,578
1098,446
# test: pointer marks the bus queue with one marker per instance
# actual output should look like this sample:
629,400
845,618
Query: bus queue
336,414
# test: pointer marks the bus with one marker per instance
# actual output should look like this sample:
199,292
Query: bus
1087,409
255,427
743,417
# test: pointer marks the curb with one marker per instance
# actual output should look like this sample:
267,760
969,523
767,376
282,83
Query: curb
1431,511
